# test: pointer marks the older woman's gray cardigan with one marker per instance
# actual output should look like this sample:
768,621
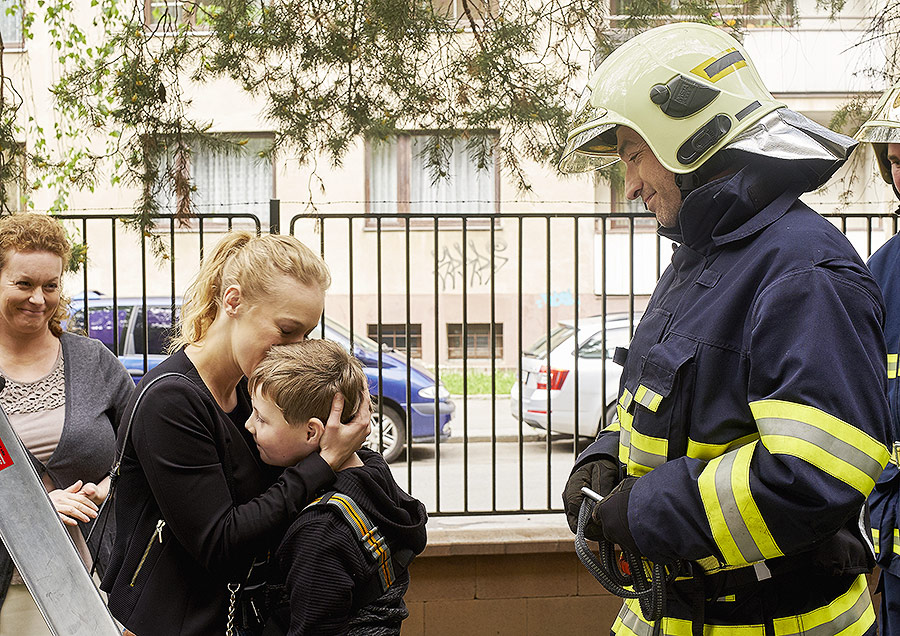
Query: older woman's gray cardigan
97,390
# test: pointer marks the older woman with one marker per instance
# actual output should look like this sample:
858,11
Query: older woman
64,394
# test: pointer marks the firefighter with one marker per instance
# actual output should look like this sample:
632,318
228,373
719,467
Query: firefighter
752,416
883,132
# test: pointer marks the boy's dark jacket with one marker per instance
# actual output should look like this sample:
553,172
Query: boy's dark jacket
323,561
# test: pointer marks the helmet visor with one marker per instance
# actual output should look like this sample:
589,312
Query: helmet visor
590,149
879,133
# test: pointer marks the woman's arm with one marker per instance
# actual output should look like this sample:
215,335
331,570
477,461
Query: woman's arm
175,440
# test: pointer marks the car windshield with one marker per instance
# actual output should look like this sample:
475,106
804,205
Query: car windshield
558,335
339,333
593,346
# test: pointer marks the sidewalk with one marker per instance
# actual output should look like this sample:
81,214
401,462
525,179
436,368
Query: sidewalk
478,418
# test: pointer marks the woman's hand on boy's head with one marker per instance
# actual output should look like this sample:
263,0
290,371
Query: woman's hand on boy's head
339,441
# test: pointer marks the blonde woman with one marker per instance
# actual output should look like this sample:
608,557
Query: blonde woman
196,504
64,395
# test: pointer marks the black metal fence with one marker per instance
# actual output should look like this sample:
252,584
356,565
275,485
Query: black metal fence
466,296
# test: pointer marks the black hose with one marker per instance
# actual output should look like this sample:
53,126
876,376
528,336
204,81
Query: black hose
647,581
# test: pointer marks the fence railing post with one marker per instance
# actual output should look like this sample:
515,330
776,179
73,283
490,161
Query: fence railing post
274,216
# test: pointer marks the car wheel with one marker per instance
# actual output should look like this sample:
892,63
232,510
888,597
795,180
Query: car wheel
611,415
390,429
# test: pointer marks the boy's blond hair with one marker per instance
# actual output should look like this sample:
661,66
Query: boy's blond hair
303,378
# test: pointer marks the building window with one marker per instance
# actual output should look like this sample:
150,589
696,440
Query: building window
394,336
11,24
171,14
455,10
401,180
478,340
227,183
727,13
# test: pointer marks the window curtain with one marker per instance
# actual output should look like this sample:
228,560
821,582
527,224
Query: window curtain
233,183
467,190
383,176
11,24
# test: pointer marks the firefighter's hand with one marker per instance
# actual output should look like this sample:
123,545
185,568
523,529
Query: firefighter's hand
611,516
600,476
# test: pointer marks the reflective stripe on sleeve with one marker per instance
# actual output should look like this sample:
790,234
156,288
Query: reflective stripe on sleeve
828,443
625,419
896,541
892,365
647,398
707,451
876,540
646,453
737,525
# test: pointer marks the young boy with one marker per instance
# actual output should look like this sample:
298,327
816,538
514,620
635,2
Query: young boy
340,579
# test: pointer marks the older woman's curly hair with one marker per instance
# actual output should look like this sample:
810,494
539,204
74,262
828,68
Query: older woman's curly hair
32,232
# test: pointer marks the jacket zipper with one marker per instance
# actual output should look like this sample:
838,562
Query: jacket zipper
156,534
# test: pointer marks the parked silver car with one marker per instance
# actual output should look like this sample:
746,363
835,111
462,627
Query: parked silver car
559,374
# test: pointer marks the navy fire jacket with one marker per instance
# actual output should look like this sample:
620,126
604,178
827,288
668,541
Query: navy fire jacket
885,266
753,399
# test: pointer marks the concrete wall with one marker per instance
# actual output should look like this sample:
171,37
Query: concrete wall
507,575
504,575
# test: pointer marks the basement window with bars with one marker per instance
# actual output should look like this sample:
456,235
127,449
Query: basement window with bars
477,340
394,336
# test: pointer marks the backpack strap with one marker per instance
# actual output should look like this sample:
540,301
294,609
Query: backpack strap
367,533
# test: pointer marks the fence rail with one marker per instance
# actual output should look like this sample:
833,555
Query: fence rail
465,295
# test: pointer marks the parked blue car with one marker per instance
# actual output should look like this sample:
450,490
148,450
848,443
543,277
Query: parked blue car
389,419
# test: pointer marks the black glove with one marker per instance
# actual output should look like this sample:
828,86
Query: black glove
611,516
600,476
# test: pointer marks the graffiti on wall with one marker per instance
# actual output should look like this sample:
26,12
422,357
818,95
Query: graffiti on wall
557,299
477,261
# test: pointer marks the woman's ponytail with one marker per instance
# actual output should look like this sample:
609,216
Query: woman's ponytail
201,300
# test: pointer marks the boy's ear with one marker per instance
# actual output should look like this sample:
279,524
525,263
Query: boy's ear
314,430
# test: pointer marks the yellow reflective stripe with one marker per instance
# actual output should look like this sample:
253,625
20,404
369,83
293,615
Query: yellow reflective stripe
828,443
896,541
708,69
892,366
625,400
738,527
876,540
707,451
613,426
647,398
625,419
646,453
851,614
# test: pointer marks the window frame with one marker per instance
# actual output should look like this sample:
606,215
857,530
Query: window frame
459,352
404,179
16,46
413,338
222,224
